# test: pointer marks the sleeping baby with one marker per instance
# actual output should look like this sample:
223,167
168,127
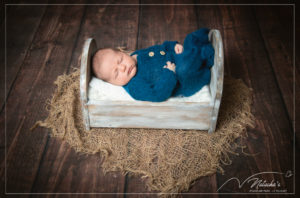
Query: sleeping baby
160,71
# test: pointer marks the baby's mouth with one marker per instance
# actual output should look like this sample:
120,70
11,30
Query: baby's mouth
129,70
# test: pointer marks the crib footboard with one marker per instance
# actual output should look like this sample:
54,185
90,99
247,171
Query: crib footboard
217,77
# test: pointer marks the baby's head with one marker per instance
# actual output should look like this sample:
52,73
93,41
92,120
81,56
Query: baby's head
114,66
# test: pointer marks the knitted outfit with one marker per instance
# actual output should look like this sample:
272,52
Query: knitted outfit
154,83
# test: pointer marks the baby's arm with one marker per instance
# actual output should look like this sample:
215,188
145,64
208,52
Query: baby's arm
158,91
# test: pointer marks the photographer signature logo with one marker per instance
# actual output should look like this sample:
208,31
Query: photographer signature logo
257,183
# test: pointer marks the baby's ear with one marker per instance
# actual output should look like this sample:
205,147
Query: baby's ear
134,56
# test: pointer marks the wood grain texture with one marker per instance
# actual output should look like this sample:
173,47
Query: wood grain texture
276,26
247,58
49,57
63,170
109,25
193,116
20,31
159,23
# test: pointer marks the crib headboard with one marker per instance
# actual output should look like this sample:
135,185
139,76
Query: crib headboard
217,76
89,48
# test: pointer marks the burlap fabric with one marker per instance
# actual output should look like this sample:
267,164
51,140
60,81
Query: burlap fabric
169,160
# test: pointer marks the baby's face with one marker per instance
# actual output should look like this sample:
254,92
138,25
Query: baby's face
116,67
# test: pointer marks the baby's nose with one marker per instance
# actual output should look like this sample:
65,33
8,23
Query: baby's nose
122,68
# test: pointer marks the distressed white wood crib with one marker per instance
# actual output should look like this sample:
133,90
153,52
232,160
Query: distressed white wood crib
199,111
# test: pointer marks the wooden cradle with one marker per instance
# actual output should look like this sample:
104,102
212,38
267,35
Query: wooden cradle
140,114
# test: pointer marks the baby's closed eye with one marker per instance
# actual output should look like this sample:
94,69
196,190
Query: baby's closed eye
116,73
120,59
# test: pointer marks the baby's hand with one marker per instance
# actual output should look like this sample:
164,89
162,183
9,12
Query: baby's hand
170,66
178,48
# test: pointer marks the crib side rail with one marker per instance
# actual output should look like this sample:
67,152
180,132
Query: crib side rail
217,77
89,48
